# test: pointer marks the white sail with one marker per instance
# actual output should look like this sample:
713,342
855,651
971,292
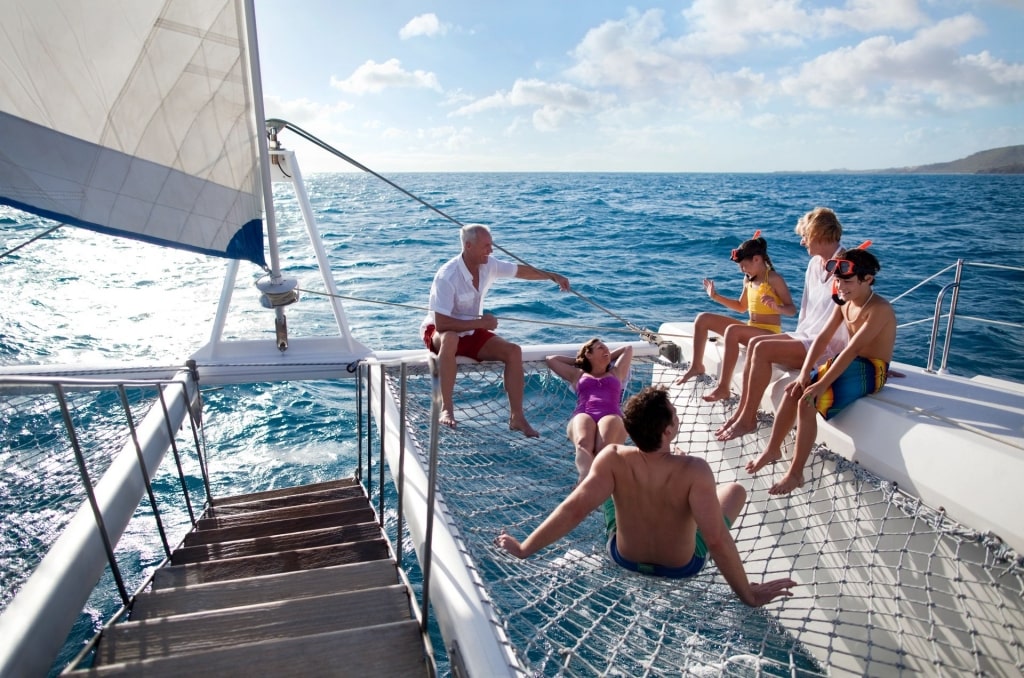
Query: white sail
133,118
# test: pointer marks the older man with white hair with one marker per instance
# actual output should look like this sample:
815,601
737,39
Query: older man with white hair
456,324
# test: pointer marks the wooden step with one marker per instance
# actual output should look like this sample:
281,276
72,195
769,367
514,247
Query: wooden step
388,650
266,588
287,491
272,563
245,505
136,640
268,528
249,517
284,542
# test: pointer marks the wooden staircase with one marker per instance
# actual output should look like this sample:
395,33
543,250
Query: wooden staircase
298,581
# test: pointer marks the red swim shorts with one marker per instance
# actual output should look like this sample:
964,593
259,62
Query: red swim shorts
469,345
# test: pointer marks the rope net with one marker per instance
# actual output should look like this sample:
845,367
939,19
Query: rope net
887,586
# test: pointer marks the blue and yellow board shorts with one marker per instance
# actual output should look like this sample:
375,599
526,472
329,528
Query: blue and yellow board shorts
863,377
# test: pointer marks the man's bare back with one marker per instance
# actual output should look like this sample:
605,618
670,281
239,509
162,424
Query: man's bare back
661,500
652,491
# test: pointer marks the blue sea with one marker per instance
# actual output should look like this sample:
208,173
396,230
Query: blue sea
637,245
634,246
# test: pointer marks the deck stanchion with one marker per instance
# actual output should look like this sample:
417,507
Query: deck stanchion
359,420
428,546
401,463
142,467
84,473
380,430
177,457
952,316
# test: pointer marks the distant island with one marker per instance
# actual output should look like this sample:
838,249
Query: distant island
1005,160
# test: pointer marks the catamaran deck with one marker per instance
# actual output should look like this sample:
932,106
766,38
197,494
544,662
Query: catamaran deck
888,584
298,581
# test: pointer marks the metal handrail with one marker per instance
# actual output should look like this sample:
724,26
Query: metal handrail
952,315
955,286
49,600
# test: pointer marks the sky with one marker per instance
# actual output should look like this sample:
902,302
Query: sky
657,86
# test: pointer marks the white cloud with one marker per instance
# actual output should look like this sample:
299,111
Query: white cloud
884,76
554,102
425,24
372,77
307,114
630,53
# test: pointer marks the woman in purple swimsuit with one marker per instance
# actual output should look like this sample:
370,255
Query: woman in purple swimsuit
596,374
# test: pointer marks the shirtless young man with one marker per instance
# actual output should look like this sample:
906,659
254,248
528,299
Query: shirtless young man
456,324
858,370
820,232
665,513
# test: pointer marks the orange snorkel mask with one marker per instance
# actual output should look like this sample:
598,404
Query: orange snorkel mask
836,268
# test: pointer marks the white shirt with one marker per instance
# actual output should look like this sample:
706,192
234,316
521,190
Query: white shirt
452,293
816,307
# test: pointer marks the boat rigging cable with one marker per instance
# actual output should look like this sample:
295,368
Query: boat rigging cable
30,241
274,126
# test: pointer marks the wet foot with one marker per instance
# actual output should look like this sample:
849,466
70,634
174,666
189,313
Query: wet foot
690,373
447,418
717,394
767,457
788,483
523,426
735,430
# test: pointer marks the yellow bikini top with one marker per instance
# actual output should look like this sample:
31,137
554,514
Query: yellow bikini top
754,293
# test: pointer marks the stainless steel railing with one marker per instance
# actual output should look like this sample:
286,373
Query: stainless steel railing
952,315
52,597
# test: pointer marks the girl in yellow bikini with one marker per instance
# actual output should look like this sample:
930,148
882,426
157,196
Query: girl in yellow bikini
765,298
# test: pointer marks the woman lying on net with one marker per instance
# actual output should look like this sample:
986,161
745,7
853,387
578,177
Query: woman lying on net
596,374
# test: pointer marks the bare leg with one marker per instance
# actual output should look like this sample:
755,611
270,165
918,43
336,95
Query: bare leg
732,497
706,322
806,432
610,431
762,353
583,434
446,343
734,336
784,419
511,354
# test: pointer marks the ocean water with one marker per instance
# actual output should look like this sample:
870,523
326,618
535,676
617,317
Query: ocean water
635,247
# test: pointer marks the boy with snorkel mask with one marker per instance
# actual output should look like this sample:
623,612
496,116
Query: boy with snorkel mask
858,370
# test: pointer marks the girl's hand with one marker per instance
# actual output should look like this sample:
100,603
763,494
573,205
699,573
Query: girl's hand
769,301
709,287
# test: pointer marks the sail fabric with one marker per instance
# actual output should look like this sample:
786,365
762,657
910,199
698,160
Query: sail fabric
133,118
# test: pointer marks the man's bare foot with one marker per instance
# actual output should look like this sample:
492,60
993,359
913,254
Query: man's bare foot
520,424
767,457
735,430
690,373
447,418
719,393
788,483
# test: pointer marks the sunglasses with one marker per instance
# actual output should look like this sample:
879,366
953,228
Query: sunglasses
842,268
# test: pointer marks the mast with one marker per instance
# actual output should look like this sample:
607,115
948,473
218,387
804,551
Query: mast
279,291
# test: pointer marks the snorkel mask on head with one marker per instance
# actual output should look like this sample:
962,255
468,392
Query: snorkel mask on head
750,248
739,253
845,269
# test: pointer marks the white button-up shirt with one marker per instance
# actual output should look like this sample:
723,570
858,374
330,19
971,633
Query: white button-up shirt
452,293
